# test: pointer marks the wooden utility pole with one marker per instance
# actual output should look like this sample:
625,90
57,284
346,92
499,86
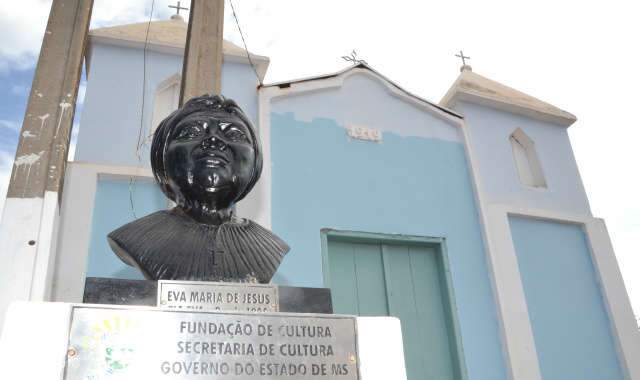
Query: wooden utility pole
202,65
28,230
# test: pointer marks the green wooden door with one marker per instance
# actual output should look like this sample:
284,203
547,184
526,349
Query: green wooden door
405,281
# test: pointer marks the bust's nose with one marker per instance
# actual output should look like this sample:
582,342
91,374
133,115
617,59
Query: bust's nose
213,142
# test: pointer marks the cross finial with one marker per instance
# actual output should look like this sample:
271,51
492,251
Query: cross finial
464,61
178,8
353,58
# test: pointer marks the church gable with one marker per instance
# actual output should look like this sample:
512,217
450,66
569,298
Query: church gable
355,152
364,103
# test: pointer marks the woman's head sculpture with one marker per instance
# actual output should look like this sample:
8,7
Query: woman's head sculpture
206,156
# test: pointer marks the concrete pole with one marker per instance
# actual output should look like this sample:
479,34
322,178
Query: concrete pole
28,229
202,65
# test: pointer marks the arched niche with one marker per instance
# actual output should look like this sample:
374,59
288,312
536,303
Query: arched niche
165,99
526,160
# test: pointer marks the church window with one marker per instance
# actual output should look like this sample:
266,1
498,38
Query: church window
165,100
526,160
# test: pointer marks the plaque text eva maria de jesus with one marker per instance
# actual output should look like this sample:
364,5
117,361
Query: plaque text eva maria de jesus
217,296
154,344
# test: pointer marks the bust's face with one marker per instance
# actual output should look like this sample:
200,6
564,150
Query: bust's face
210,157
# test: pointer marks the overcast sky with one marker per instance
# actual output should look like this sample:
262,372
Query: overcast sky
577,55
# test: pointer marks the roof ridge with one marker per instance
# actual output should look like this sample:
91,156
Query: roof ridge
173,37
365,66
523,94
477,88
168,34
139,23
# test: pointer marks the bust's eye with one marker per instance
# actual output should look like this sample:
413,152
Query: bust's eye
190,132
234,134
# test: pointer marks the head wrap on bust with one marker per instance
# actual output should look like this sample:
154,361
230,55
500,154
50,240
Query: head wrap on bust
216,104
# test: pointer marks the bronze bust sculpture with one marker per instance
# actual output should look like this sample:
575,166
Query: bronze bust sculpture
205,157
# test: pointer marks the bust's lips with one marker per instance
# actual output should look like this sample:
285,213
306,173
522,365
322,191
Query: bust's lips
213,160
215,189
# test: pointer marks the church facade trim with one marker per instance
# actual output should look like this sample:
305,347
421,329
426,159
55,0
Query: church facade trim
609,277
517,332
76,222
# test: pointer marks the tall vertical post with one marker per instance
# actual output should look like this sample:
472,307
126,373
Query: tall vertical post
28,229
202,65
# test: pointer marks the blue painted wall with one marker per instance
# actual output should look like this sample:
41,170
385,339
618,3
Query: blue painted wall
112,210
570,325
110,118
407,184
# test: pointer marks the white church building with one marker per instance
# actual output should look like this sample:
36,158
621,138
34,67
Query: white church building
466,218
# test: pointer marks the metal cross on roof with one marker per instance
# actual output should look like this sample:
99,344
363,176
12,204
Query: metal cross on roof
353,58
463,57
178,8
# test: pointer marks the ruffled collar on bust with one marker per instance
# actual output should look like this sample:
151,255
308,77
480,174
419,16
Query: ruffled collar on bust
168,245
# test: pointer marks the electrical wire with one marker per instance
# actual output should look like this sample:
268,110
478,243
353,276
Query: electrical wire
235,16
132,179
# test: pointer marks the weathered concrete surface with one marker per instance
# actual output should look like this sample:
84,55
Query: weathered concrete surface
28,231
201,70
44,138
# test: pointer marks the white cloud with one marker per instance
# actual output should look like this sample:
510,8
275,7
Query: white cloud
11,124
115,12
20,90
22,26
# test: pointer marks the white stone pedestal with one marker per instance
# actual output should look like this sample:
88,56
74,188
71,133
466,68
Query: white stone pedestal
35,339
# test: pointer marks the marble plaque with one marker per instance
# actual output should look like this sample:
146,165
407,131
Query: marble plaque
120,343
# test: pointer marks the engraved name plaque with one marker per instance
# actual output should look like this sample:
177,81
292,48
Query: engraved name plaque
215,296
124,343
